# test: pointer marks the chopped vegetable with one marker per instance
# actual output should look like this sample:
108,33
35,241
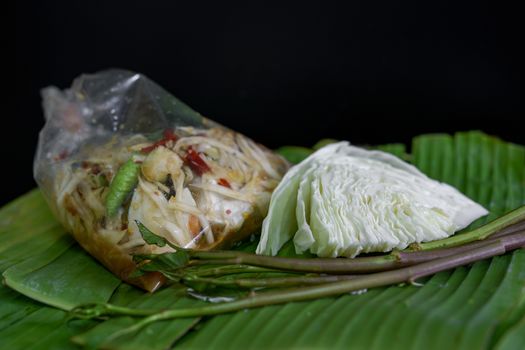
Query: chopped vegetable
168,136
194,225
121,186
195,162
223,182
344,200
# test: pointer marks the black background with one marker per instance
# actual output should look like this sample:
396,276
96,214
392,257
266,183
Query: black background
370,72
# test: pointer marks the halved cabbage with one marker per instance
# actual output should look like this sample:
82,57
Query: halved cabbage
344,200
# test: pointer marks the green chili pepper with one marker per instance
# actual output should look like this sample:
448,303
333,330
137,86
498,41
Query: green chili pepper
122,184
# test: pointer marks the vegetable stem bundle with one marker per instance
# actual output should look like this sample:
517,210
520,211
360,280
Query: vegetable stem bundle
507,234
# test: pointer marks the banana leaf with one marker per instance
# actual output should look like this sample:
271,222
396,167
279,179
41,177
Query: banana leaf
477,307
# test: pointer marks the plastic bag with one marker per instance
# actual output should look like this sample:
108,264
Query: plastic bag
117,151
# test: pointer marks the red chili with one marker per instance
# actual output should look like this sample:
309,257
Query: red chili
195,162
167,136
152,147
61,156
96,169
224,182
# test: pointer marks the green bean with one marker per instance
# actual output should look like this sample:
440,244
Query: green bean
122,184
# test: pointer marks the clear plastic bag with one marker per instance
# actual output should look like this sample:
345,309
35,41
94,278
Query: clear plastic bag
117,151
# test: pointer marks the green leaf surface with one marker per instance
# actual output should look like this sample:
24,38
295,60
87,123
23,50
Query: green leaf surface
14,307
156,336
514,338
149,237
294,154
62,276
323,142
23,220
397,149
46,328
478,307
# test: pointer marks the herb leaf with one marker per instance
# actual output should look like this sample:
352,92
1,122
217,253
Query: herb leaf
163,262
149,237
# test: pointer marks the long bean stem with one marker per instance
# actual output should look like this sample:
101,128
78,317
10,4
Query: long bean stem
414,257
514,217
336,266
315,265
504,225
520,226
272,282
409,258
221,270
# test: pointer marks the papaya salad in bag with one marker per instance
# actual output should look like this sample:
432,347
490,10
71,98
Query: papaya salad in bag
118,153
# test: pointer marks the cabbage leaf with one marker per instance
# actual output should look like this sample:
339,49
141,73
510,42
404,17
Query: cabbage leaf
345,200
